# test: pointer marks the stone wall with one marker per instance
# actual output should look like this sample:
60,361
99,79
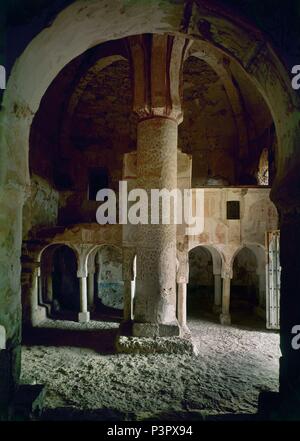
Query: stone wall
257,215
41,208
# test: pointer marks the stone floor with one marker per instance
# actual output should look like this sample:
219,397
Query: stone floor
86,380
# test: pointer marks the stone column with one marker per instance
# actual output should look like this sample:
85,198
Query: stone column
49,287
128,254
217,307
156,253
181,304
156,61
91,290
128,297
260,310
262,289
84,315
225,318
38,313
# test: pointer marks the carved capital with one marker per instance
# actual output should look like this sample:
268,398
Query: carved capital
156,69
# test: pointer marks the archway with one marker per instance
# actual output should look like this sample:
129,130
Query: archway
105,283
248,292
60,284
204,287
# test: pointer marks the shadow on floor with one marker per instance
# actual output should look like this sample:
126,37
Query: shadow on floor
99,340
102,314
240,318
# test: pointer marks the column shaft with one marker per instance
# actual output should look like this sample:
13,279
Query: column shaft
84,315
49,287
225,318
217,293
37,312
181,304
155,303
128,298
91,293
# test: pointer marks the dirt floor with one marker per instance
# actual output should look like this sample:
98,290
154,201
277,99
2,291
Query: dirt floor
86,380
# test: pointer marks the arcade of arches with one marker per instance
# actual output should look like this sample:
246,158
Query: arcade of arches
160,106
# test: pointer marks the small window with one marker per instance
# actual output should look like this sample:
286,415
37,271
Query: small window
233,210
98,179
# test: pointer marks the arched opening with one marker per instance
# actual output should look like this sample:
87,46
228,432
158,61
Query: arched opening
105,283
204,287
246,296
60,284
200,293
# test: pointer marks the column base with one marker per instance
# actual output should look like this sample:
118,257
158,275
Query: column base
39,315
185,332
260,312
155,330
216,309
84,317
125,328
149,345
48,307
225,319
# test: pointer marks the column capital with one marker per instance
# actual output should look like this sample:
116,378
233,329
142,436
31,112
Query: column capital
227,273
156,69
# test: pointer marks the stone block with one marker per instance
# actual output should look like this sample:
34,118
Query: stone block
155,330
84,317
169,330
147,345
145,330
225,319
39,315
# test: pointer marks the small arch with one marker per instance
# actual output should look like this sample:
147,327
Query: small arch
60,284
106,286
205,263
247,293
218,257
57,244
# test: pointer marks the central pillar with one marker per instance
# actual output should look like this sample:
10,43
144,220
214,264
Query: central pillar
155,307
156,65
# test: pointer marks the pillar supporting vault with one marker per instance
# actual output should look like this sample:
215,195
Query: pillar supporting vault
225,318
217,307
156,64
84,315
